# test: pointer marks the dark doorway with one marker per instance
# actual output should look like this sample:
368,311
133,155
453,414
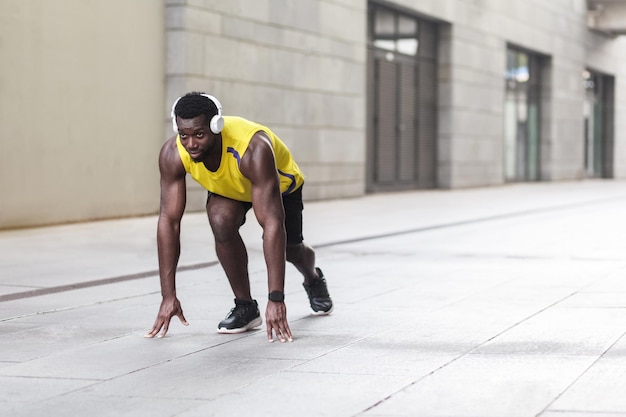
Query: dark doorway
402,113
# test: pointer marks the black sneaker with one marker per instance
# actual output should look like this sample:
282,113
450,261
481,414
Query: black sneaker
243,317
318,295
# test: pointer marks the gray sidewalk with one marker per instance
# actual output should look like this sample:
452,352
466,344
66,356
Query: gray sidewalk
503,301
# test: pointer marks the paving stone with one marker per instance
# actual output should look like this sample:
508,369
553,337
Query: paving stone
504,301
87,404
487,385
317,395
19,392
599,390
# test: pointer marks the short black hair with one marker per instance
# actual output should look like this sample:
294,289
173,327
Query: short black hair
195,104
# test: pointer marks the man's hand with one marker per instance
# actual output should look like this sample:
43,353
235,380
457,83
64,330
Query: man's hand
170,307
276,321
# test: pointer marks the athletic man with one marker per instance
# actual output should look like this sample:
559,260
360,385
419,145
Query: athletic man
243,165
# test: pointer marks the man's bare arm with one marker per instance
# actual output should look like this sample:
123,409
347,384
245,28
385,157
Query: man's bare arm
259,165
172,206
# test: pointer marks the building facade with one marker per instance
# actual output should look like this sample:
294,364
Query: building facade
371,96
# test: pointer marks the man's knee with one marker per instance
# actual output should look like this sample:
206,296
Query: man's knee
224,222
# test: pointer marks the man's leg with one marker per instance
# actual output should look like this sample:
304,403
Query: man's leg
302,256
226,217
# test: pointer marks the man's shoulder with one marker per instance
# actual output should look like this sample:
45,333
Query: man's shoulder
169,155
169,147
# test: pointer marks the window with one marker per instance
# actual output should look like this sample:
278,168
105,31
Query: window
396,33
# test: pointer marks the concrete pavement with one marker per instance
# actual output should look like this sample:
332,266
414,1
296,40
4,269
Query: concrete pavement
503,301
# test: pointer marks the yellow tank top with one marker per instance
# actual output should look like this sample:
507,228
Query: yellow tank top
228,181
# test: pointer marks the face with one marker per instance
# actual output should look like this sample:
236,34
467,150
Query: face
196,137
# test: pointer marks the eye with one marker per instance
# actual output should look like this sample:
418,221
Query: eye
182,136
200,134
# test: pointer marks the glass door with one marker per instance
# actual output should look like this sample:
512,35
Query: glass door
522,117
596,111
402,81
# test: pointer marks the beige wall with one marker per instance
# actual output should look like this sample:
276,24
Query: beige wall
81,95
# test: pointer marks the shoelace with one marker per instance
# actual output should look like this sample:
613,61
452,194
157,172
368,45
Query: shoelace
238,311
318,289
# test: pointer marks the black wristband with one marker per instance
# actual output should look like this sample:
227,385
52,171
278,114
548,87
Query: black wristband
276,296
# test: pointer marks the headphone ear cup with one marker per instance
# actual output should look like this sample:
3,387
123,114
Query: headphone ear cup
173,116
217,124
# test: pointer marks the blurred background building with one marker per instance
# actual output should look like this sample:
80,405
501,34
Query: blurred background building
371,96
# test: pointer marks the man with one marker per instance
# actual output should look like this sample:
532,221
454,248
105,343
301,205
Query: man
243,165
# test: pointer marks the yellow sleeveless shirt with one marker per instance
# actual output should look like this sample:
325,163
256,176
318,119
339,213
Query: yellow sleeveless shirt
228,181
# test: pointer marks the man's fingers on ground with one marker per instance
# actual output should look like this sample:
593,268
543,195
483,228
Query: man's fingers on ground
269,334
286,331
271,329
288,336
166,325
154,330
283,334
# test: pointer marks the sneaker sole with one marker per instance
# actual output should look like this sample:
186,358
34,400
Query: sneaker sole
254,323
323,313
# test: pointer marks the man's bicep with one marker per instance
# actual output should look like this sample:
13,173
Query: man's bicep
173,198
173,186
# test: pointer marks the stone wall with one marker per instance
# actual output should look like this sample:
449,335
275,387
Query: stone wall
296,66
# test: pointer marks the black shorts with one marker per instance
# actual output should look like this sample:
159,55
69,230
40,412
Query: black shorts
293,215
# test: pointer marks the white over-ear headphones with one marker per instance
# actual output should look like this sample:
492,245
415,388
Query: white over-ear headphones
217,121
